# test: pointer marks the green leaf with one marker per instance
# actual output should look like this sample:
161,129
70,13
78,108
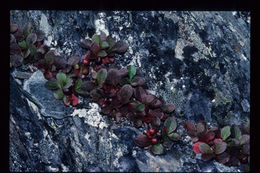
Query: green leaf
13,27
158,149
236,132
95,38
174,136
102,53
200,127
62,79
205,148
33,50
244,139
140,107
31,38
49,57
22,44
171,124
104,45
58,94
131,71
69,82
78,84
225,132
27,29
220,147
52,85
101,76
111,42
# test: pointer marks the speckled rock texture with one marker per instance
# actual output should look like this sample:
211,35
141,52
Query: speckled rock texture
200,61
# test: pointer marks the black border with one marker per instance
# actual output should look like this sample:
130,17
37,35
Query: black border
165,5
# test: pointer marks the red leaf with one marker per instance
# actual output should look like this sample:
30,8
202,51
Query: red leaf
147,119
209,136
142,140
189,126
74,100
195,147
206,157
217,139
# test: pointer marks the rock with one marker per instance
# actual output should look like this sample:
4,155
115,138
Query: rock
245,105
197,60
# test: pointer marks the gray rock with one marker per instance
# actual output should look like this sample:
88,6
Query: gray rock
200,61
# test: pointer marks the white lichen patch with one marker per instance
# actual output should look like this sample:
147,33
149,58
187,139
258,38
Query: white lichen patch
87,137
92,116
34,108
53,169
118,154
179,49
28,134
243,57
100,24
64,168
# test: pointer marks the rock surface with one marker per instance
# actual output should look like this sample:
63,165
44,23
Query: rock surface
200,61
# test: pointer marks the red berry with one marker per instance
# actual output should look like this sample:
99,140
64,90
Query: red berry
86,61
111,59
154,141
43,70
152,131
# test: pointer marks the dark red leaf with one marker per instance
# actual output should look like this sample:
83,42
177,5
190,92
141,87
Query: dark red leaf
14,48
168,108
149,98
189,126
125,93
94,48
73,60
156,103
142,140
138,81
200,127
207,157
120,47
113,77
60,62
19,35
123,72
220,147
156,122
223,158
208,136
40,35
140,94
156,113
